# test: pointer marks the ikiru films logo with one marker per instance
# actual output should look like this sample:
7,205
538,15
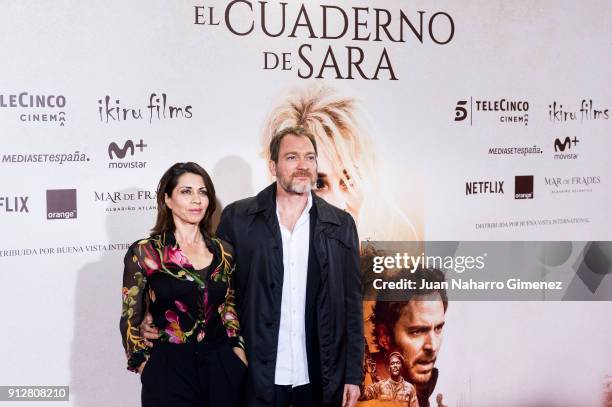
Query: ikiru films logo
49,109
61,204
158,107
523,187
505,111
587,112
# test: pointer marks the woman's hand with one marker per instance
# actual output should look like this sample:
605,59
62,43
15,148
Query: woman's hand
148,331
142,366
241,354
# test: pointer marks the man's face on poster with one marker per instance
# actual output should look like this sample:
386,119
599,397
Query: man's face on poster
395,367
417,335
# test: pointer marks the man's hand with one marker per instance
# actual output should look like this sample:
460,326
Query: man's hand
350,395
148,331
141,367
241,354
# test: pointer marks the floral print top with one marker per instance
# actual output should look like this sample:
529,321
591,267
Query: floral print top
187,305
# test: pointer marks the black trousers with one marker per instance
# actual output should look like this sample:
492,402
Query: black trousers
193,375
288,396
299,396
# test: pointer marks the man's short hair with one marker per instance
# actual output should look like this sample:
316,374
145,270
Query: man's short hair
299,131
395,355
387,313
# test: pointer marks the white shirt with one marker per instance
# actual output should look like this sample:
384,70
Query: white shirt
291,361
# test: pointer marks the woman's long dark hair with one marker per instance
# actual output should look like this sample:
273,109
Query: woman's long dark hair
167,183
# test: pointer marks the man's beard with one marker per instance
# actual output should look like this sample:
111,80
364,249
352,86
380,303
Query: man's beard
421,378
289,184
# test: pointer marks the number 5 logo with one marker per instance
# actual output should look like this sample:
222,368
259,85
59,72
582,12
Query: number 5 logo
460,111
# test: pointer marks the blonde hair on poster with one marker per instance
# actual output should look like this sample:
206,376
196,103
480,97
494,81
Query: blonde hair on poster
347,157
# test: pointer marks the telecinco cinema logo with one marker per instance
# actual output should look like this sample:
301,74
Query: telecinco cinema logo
36,108
61,204
505,111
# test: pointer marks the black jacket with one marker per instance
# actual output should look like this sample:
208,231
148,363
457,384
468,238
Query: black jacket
334,313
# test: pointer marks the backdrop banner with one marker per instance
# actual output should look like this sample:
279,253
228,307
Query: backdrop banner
450,128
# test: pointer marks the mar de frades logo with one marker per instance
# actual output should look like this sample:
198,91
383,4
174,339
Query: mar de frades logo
61,204
36,108
126,201
571,184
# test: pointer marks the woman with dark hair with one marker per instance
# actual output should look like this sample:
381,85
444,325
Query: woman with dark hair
183,276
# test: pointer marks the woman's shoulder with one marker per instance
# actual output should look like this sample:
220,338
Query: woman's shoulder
224,253
147,253
224,247
147,243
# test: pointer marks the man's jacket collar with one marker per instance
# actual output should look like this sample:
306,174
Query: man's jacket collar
265,201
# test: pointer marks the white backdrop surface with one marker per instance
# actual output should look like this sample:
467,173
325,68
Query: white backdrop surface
60,285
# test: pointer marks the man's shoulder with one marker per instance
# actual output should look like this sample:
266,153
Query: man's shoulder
241,206
250,205
333,213
408,387
385,385
223,246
